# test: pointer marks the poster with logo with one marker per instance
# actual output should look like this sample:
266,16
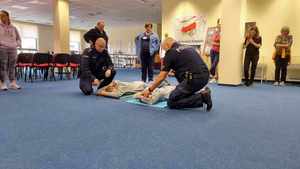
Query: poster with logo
190,30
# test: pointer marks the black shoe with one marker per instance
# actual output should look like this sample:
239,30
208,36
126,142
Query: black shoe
250,82
206,94
247,83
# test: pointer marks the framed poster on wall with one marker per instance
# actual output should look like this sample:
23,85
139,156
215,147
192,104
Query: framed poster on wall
248,25
190,30
208,40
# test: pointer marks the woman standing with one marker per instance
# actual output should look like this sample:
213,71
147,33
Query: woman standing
252,44
9,41
282,57
147,45
215,52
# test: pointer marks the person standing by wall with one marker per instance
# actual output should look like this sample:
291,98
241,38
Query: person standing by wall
282,57
147,45
9,42
252,44
98,32
215,52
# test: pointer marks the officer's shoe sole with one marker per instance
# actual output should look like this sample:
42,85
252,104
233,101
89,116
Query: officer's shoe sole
207,99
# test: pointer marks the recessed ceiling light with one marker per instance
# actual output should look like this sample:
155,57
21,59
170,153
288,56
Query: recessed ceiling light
37,2
73,17
19,7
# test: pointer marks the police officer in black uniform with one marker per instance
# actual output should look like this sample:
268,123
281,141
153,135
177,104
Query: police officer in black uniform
96,68
98,32
191,73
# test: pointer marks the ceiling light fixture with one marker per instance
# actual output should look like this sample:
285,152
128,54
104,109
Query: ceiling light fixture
19,7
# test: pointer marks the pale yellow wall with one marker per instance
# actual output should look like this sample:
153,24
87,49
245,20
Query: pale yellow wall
172,9
270,16
122,38
61,26
45,38
230,70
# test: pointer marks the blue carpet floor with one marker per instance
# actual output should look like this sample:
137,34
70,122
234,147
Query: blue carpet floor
51,125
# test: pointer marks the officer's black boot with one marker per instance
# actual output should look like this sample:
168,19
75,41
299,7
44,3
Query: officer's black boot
206,94
85,82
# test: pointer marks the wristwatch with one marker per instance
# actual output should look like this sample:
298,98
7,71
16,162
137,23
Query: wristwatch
150,90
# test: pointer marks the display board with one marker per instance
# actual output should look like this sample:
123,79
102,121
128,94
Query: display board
248,25
208,40
190,30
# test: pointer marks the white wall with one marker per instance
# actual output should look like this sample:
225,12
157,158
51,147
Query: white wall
45,42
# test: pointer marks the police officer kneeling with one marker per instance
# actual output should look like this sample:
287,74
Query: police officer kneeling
191,73
96,68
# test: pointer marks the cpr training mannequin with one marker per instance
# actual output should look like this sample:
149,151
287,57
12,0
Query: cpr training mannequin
117,89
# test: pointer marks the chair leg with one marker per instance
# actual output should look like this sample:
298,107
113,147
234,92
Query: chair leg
26,74
53,73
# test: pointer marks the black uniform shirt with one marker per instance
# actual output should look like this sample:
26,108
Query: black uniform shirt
251,50
183,59
94,34
99,62
145,43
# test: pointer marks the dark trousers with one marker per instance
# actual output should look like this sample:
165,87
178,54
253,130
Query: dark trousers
147,66
214,58
185,96
86,77
253,60
281,68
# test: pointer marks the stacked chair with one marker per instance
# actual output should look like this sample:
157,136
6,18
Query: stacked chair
45,66
24,65
42,63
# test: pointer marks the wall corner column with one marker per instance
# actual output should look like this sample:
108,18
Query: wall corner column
61,26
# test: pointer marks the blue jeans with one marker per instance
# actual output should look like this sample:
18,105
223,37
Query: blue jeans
214,58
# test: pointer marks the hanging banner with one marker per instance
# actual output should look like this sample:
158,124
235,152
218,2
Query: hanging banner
190,30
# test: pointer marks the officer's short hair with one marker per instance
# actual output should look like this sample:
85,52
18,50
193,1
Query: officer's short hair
148,24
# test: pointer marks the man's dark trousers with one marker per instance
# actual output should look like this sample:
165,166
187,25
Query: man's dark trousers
147,66
185,94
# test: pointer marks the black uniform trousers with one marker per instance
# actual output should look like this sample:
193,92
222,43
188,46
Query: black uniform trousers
253,60
281,65
86,77
147,66
186,93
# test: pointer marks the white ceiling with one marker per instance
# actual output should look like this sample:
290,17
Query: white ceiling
85,13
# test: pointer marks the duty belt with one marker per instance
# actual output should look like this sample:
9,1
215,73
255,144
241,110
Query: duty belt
191,76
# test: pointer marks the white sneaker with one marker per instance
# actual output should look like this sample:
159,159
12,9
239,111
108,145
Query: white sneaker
282,84
3,86
14,87
213,81
276,84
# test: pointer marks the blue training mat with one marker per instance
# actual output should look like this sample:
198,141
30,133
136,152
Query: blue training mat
129,99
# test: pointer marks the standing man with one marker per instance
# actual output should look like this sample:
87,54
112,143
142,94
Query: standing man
147,44
98,32
96,68
190,71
